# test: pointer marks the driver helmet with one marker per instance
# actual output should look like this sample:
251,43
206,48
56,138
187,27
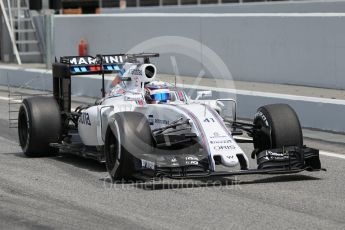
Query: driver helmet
157,92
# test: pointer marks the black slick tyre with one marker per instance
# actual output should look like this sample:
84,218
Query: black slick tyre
39,124
278,126
128,136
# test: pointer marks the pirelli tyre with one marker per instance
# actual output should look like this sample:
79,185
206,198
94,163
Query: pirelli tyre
277,125
128,135
39,124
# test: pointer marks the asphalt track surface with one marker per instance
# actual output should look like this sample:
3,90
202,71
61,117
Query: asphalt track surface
68,192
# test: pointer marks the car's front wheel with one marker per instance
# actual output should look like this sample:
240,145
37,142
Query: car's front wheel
127,137
277,126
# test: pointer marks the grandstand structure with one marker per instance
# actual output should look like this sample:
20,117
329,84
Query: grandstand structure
138,3
94,6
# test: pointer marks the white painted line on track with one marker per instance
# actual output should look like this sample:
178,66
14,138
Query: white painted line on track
42,71
321,152
219,89
8,141
329,154
207,15
6,99
14,100
266,94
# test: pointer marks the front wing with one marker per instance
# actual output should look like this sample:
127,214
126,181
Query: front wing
285,160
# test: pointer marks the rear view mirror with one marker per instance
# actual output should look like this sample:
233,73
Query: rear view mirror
227,109
203,94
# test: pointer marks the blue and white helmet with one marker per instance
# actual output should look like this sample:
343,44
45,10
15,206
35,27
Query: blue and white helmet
157,92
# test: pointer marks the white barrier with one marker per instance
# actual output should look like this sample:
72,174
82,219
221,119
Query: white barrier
301,49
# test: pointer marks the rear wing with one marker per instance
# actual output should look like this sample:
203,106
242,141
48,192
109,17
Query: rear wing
104,64
69,66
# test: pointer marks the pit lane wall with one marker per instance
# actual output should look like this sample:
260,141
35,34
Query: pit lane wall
317,113
297,49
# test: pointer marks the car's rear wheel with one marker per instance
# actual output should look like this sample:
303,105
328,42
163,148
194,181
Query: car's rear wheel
278,125
39,124
128,136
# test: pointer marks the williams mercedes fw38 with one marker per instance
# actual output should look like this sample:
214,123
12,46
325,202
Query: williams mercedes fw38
146,128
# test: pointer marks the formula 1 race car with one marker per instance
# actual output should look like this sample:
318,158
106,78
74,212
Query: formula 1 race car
145,128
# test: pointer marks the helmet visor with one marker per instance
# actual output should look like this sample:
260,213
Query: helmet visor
161,96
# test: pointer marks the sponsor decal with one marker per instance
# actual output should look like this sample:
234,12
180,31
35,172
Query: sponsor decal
93,61
263,117
83,61
133,96
84,119
192,163
147,164
275,156
159,121
136,72
217,135
112,59
154,121
220,142
174,162
192,160
224,147
231,157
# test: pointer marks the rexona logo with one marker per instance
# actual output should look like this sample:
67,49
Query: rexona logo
93,61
